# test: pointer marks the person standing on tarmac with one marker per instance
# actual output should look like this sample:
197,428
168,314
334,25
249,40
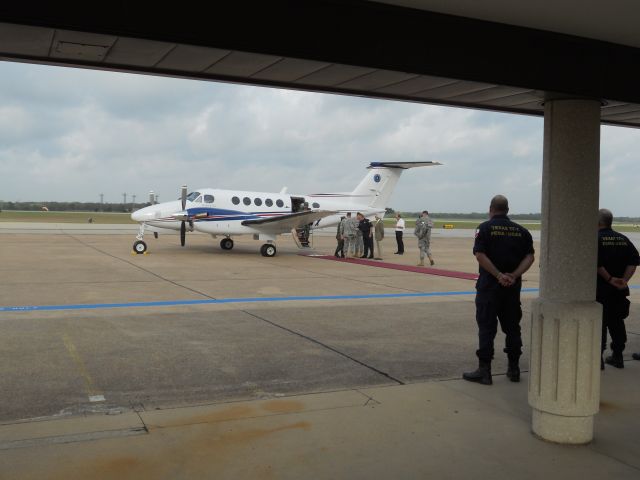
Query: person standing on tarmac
617,262
399,233
422,230
504,251
349,236
359,237
378,230
364,225
339,253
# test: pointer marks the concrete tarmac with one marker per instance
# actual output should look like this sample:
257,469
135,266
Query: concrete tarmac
70,375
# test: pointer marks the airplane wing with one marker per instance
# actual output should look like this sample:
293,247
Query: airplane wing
285,223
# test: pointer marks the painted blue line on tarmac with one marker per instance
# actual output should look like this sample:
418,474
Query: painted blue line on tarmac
173,303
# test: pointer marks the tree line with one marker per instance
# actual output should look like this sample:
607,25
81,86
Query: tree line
484,216
71,206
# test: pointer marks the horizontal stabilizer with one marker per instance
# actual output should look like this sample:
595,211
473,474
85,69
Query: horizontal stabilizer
402,165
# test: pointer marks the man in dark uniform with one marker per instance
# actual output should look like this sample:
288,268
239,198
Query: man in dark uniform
617,261
504,251
364,225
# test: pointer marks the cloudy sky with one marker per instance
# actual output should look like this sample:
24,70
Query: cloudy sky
71,134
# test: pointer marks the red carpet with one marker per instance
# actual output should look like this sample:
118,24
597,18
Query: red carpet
405,268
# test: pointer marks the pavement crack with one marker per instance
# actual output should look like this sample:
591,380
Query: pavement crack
371,401
144,425
141,268
324,345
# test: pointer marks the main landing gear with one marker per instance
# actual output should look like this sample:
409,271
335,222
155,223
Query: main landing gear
268,250
226,243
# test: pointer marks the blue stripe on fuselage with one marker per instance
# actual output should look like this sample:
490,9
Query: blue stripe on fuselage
221,214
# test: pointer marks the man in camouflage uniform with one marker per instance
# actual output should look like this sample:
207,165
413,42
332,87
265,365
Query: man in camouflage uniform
424,224
359,239
378,229
349,235
339,253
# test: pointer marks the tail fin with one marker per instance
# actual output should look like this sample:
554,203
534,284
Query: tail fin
377,186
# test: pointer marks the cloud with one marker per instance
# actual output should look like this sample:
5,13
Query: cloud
71,134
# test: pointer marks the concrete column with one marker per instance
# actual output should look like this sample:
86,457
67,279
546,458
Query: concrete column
564,380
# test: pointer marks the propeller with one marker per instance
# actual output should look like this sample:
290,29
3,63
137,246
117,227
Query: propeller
183,226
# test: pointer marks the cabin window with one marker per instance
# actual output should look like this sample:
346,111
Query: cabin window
268,202
235,200
192,196
315,205
257,201
246,201
208,199
280,203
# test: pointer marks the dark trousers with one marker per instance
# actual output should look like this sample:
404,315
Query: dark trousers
400,242
614,312
340,248
368,247
493,306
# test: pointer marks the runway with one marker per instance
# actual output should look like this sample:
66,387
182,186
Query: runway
88,327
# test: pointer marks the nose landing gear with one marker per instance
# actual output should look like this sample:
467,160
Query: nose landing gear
139,247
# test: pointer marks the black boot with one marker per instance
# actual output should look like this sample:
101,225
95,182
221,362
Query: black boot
615,360
481,375
513,371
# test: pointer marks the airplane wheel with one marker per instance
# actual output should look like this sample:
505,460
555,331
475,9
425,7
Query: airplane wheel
268,250
226,244
139,247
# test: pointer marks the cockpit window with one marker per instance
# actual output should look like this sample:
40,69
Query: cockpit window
208,199
198,200
192,196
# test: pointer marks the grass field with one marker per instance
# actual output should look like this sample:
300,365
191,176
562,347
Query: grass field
125,218
65,217
462,224
458,223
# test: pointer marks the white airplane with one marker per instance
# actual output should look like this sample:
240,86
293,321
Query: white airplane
230,213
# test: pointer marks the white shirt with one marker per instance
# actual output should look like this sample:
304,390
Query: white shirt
400,225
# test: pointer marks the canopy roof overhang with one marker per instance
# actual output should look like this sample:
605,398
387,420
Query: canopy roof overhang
350,47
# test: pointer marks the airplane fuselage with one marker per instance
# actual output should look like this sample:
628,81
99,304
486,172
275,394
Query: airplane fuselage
221,212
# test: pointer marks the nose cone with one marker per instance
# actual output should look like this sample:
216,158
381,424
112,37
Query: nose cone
136,217
143,214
